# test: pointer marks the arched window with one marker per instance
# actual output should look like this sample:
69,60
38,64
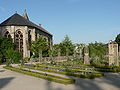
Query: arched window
19,40
7,34
29,37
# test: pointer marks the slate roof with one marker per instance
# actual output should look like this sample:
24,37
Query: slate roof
18,20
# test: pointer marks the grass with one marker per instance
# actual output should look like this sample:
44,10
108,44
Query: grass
54,78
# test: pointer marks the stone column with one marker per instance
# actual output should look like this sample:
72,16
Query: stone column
33,37
113,53
12,33
51,43
81,52
86,55
25,42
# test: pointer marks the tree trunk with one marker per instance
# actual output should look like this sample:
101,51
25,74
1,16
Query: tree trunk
40,55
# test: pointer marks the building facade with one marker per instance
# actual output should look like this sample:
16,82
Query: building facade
23,32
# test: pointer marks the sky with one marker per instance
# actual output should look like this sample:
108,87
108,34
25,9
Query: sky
84,21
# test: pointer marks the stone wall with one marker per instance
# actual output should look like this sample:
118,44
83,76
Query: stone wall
86,55
24,30
113,53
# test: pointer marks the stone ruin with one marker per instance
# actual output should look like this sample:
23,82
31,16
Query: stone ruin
78,51
82,52
113,53
86,55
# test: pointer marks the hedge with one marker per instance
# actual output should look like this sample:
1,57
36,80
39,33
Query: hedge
49,77
87,75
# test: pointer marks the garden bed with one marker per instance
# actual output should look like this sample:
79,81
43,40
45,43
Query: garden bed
79,68
75,73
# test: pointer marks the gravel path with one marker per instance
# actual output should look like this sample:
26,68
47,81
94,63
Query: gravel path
10,80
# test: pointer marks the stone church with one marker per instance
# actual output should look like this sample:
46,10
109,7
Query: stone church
23,31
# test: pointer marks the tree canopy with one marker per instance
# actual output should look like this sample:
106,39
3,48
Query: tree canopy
117,39
40,45
97,52
7,50
66,46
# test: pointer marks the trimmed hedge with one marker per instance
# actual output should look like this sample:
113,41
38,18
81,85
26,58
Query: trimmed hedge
54,78
108,68
82,68
63,69
86,75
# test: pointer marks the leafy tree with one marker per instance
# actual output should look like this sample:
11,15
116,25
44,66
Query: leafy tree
5,44
40,47
117,39
12,56
1,56
56,50
8,52
97,52
66,47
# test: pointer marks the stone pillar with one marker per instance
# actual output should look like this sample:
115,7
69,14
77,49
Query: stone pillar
12,33
86,55
113,53
74,53
51,43
33,37
81,52
25,43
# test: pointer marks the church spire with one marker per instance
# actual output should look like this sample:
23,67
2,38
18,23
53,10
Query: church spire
25,15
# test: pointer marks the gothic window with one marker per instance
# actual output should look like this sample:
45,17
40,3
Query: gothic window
29,37
7,34
36,36
19,40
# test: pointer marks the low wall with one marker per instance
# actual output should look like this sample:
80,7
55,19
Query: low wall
57,59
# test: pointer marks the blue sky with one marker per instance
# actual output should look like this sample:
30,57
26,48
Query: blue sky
84,21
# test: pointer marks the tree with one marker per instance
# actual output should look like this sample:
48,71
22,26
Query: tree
5,44
66,46
117,39
98,51
12,56
40,46
56,50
